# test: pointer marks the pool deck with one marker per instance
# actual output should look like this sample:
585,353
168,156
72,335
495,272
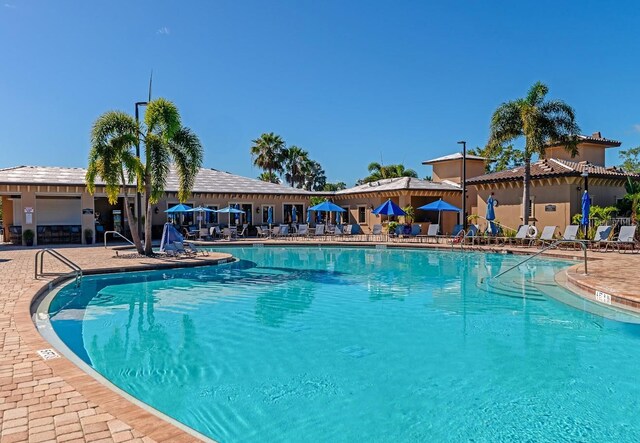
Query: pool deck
54,400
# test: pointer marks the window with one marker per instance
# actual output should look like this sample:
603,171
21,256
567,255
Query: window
241,219
211,217
362,214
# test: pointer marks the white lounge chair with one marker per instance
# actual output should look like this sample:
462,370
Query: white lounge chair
547,236
626,237
303,230
601,237
377,231
432,232
570,235
319,231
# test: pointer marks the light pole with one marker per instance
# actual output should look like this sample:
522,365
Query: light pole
138,194
464,183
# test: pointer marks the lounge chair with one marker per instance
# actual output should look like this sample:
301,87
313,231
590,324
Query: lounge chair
432,232
204,234
275,232
626,237
570,235
170,251
181,250
377,231
347,229
227,233
261,233
546,237
303,230
319,231
284,231
601,237
243,233
415,230
522,235
194,250
214,231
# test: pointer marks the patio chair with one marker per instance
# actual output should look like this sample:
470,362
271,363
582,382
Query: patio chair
377,231
432,233
170,251
570,234
319,231
188,234
303,230
284,231
180,249
275,232
521,235
601,237
546,237
204,234
347,230
227,234
415,230
194,250
626,237
214,231
243,232
261,233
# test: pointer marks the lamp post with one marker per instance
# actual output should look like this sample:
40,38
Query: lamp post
138,194
464,183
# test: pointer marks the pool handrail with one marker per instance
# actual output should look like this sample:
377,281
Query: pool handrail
582,243
119,235
39,270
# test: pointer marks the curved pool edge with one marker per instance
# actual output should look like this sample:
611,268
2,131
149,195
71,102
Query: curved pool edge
101,395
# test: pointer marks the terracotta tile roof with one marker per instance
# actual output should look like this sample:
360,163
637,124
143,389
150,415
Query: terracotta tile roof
595,138
551,167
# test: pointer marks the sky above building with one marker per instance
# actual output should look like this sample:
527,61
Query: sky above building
351,82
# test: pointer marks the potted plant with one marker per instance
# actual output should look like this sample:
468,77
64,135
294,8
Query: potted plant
27,236
88,236
392,227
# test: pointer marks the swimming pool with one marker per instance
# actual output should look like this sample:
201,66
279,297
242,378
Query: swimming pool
345,344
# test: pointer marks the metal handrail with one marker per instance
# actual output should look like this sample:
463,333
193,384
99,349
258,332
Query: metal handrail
462,234
119,235
497,223
76,270
582,244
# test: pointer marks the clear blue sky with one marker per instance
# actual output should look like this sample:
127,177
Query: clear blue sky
351,82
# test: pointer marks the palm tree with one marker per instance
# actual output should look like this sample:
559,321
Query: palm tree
270,177
540,122
296,162
378,171
267,152
339,186
633,197
314,176
166,142
112,159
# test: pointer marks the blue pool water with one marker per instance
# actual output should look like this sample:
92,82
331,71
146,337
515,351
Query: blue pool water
324,344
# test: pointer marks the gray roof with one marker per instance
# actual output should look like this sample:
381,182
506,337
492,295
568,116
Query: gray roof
400,184
456,156
207,181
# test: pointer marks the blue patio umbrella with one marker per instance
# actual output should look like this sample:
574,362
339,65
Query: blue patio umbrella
337,218
308,215
491,215
270,215
389,208
327,206
178,209
201,210
439,205
586,208
294,214
229,210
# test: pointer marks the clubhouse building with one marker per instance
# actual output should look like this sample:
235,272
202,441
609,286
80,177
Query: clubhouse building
54,202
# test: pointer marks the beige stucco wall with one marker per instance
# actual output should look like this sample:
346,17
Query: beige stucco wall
594,154
452,170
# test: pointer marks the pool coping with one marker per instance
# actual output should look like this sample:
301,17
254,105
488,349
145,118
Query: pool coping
143,419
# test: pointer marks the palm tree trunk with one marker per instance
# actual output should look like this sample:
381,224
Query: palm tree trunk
133,228
526,191
147,222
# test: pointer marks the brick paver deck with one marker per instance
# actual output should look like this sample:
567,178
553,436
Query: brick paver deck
55,401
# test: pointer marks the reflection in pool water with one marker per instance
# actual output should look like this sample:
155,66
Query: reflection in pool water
329,344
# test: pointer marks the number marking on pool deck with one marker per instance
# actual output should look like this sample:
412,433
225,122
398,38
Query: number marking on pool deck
48,354
603,297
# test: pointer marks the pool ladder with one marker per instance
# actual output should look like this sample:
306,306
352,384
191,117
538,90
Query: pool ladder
76,270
